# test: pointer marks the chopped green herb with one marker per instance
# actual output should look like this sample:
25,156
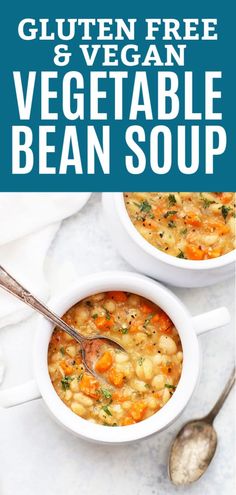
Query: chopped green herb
206,202
106,424
169,213
124,330
167,385
147,321
95,316
224,211
106,393
171,224
184,231
108,315
180,255
140,361
62,351
171,199
107,410
80,376
145,206
65,382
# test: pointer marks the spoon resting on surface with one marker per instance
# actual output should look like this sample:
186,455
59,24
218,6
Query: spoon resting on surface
195,445
89,345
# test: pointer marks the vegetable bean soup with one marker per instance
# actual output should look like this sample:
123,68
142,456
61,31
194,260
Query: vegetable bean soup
194,226
139,381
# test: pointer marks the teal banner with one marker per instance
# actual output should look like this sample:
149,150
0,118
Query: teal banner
99,96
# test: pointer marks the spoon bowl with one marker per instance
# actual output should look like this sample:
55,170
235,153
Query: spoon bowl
194,447
89,345
192,452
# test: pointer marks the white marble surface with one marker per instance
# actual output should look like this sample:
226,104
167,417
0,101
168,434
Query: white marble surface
37,456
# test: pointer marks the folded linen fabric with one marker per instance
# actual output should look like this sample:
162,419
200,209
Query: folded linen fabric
28,224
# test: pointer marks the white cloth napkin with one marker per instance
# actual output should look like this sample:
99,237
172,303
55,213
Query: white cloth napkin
28,224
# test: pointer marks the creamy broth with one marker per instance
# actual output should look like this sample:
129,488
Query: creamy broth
195,226
139,382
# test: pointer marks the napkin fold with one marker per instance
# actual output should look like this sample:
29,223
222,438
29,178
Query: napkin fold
28,224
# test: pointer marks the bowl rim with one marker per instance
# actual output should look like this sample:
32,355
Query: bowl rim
141,285
131,230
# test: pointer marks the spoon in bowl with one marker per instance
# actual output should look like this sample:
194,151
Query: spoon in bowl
89,345
195,445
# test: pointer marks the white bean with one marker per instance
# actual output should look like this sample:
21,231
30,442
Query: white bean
56,357
98,297
158,382
116,410
82,399
210,239
105,417
71,350
125,368
78,409
152,402
179,356
81,314
144,370
157,360
165,395
68,395
167,345
110,306
232,224
126,341
147,369
139,385
133,300
140,338
214,207
74,385
121,357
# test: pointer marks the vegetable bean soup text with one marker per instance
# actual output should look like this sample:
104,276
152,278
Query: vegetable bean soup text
188,225
139,381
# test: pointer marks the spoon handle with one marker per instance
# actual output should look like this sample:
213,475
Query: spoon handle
8,283
219,403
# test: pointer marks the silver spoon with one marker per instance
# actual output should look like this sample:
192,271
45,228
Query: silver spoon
195,445
8,283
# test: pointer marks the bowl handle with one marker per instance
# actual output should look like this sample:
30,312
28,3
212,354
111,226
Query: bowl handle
210,320
20,394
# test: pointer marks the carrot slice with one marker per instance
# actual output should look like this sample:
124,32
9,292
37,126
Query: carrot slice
127,421
89,386
104,363
194,253
137,410
117,295
226,197
133,328
165,323
219,226
103,324
156,318
119,397
67,368
193,219
147,308
116,378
